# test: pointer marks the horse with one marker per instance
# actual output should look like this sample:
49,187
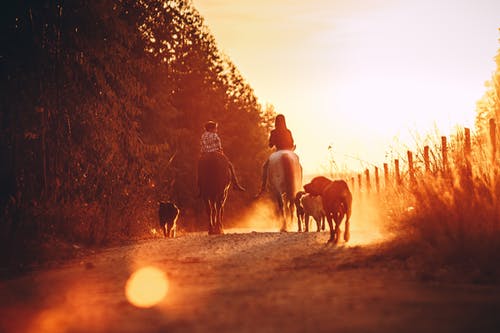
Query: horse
214,179
285,180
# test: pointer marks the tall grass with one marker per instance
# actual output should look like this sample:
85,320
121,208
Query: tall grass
448,220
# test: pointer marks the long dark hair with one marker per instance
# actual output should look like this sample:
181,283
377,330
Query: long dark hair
280,122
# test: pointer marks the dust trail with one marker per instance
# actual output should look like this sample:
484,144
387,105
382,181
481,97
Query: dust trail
367,220
368,223
259,217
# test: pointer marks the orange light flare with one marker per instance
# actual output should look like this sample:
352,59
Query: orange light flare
147,287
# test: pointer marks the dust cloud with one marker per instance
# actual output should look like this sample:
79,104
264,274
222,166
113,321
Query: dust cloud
367,223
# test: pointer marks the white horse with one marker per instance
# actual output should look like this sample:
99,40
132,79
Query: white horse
285,180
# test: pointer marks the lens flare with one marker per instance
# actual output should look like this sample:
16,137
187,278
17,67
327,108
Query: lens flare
146,287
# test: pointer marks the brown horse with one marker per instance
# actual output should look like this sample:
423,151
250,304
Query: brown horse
285,180
214,179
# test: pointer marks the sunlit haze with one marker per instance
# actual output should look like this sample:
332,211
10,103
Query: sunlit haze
360,76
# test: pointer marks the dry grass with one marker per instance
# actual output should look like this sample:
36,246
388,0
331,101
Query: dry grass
448,222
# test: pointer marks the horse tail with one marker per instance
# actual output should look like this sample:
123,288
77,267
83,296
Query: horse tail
288,168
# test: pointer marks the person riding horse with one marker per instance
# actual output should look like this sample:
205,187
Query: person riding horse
281,138
210,143
215,176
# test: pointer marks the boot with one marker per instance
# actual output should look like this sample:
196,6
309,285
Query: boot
264,180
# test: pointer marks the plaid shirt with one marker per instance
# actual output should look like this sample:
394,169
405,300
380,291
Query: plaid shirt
210,142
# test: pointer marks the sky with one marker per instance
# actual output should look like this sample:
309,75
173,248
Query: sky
361,81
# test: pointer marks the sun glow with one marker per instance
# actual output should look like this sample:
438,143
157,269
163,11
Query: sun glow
361,76
146,287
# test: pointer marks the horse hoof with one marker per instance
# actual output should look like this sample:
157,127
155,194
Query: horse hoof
283,230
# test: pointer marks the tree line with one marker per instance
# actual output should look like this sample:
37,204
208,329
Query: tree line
102,106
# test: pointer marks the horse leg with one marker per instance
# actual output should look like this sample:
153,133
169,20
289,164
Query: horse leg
290,210
220,213
306,222
281,212
213,217
208,210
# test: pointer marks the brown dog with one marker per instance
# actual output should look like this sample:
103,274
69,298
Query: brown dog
308,205
337,202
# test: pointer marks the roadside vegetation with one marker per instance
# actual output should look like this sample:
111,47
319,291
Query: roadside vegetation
102,107
447,221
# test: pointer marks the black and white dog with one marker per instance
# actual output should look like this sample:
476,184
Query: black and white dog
168,214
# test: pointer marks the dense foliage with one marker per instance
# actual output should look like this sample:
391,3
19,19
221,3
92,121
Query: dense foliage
102,106
489,106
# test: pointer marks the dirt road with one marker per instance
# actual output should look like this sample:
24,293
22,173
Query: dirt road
245,282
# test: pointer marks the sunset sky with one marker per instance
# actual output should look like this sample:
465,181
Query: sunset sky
361,76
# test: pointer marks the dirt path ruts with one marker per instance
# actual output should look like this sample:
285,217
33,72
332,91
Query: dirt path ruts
251,282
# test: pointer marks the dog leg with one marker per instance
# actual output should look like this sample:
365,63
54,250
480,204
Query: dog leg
330,224
337,232
347,234
299,222
318,224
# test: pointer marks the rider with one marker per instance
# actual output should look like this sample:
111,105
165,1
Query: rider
281,138
210,143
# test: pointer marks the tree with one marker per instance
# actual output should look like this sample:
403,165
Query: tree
103,103
489,106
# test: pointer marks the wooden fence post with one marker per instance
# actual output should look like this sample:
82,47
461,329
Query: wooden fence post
444,153
466,176
411,170
398,176
493,138
427,162
386,174
377,180
368,185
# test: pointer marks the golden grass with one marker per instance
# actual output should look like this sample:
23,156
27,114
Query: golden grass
448,221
